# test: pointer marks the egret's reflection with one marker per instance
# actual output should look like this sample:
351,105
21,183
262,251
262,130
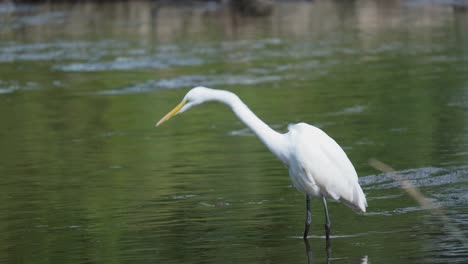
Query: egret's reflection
362,260
308,251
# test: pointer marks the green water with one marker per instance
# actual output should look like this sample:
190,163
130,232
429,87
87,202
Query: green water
86,178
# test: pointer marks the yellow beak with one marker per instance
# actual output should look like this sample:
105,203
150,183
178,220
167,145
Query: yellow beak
172,113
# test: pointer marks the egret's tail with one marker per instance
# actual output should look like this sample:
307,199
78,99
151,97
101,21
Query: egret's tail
358,202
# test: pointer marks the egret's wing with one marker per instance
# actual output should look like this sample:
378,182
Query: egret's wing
326,165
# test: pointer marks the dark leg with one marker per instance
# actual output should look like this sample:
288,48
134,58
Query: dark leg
328,250
308,251
327,223
308,217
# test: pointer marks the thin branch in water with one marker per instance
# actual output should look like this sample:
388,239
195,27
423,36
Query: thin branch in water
419,197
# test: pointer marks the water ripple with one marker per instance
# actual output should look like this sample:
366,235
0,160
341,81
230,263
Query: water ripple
12,86
58,51
129,63
190,81
449,195
355,109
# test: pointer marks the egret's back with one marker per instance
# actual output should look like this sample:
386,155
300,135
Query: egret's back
319,167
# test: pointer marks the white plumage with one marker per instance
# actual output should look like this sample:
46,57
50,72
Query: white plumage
317,165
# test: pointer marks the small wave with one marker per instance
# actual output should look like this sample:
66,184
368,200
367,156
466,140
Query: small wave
396,211
148,86
256,203
347,236
461,104
117,64
419,177
244,132
448,193
399,130
365,141
113,134
129,63
258,44
190,81
59,50
12,86
384,197
386,47
453,196
7,90
356,109
183,197
215,204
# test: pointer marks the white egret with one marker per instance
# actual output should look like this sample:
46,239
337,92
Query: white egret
317,165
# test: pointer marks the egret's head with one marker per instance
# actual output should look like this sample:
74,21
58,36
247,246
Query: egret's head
194,97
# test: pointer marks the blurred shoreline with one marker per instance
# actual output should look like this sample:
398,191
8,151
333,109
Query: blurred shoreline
167,21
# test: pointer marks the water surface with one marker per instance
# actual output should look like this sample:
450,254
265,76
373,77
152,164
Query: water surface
86,178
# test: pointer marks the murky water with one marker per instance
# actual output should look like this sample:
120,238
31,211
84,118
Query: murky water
86,178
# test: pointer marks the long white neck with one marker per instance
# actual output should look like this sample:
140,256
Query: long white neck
275,142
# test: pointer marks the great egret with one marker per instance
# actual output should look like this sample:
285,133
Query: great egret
317,165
